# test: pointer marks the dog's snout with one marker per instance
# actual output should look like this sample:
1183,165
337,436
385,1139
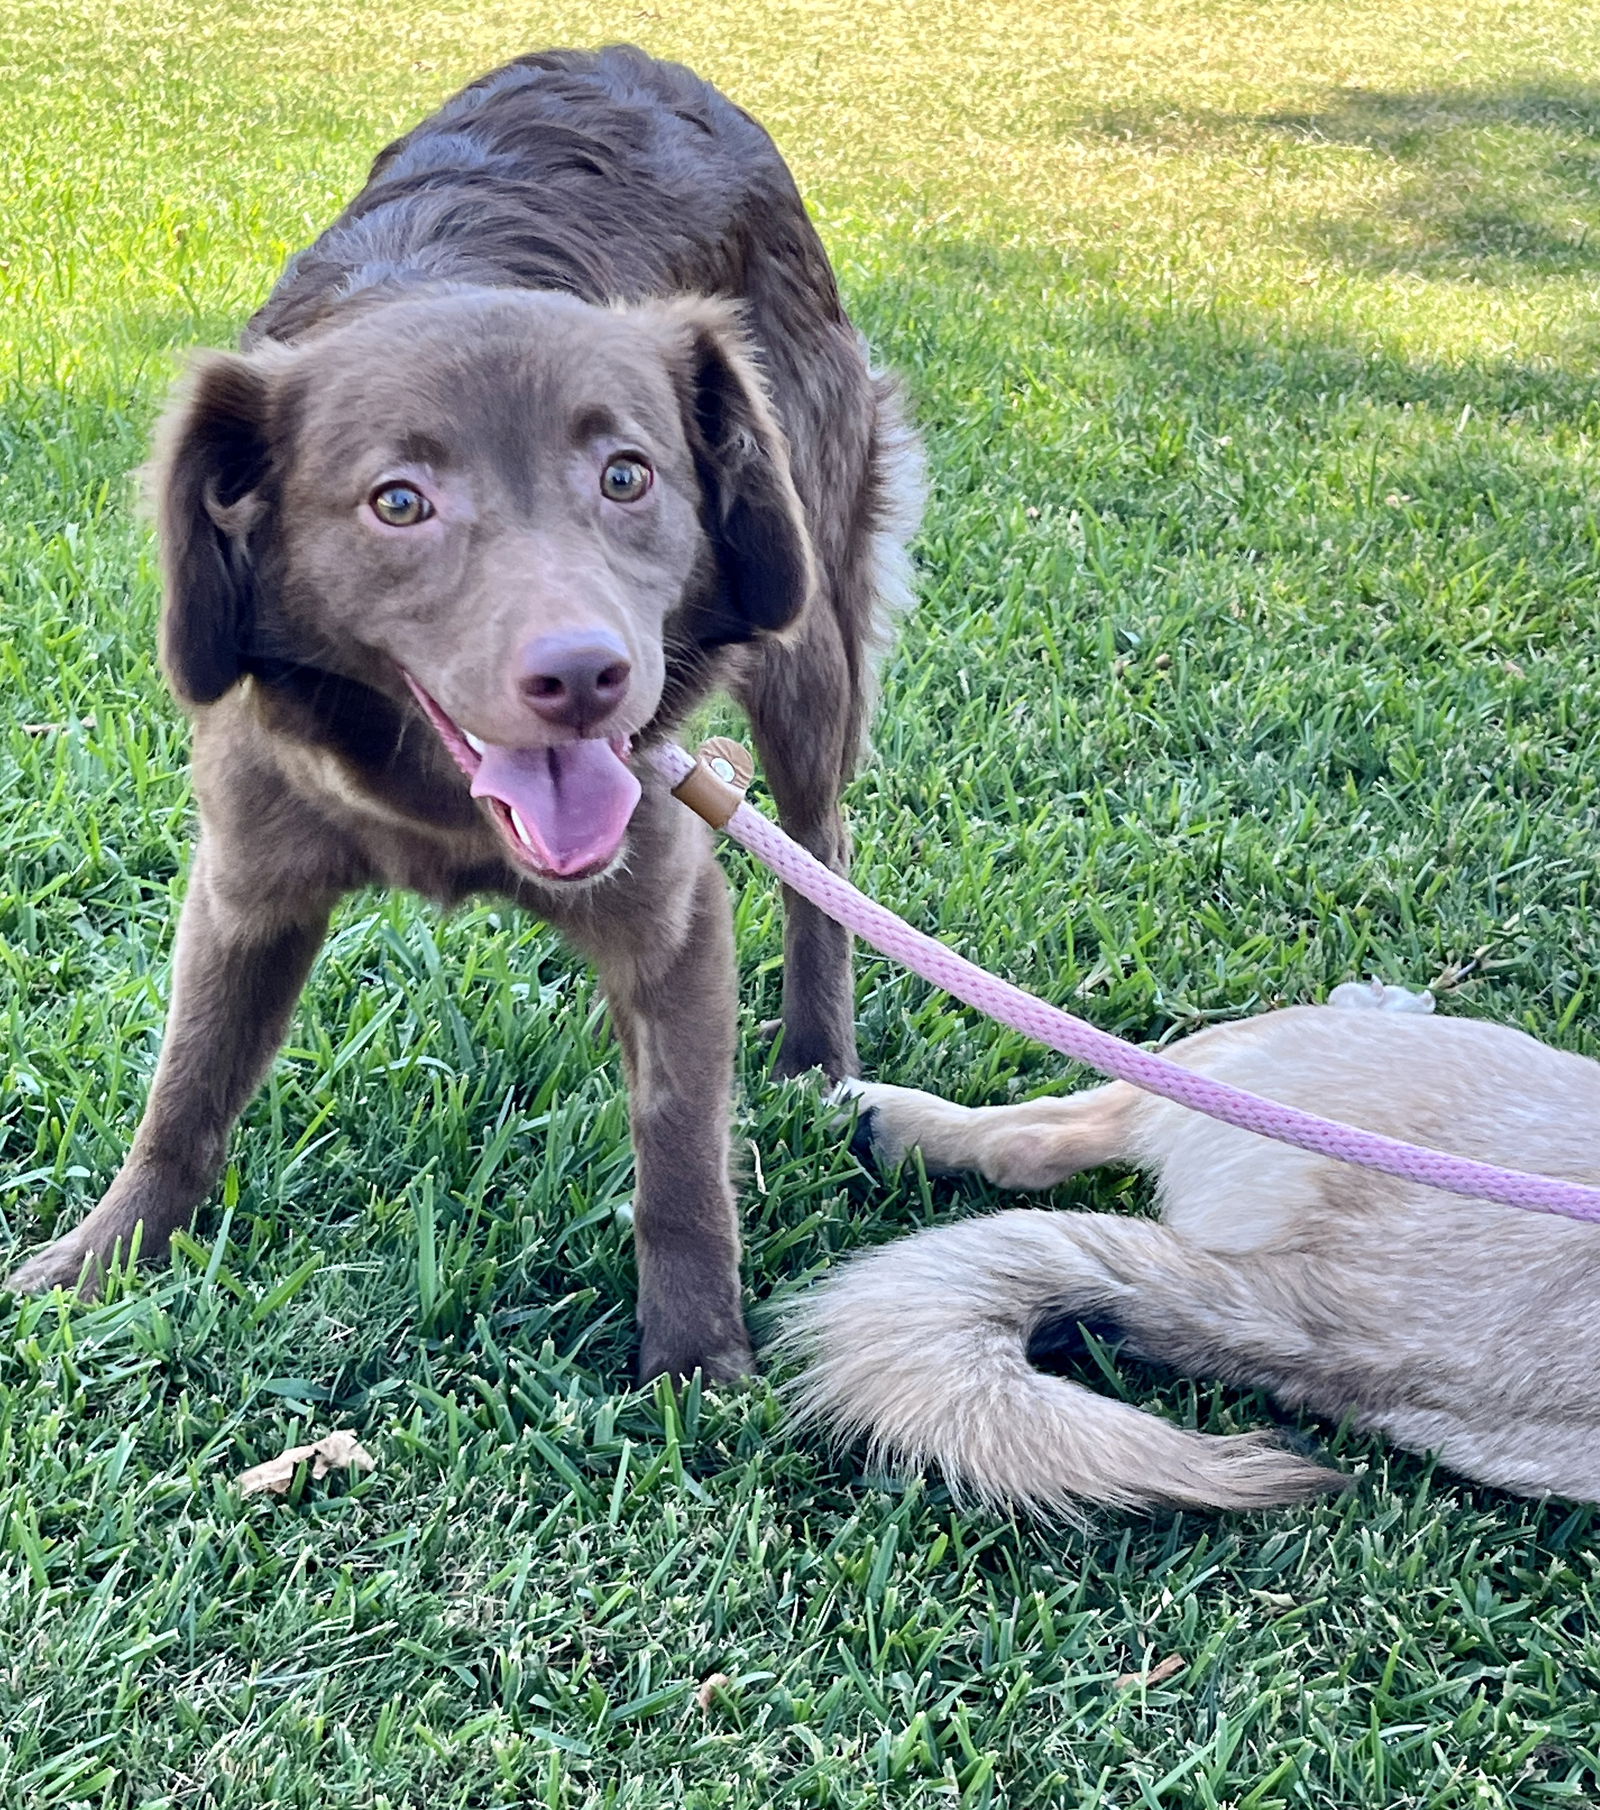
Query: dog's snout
575,679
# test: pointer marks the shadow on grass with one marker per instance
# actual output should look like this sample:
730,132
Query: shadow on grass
1042,331
1490,184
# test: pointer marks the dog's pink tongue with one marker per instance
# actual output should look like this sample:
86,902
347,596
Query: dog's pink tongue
570,805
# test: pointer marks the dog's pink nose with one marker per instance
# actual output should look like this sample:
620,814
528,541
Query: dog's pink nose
575,678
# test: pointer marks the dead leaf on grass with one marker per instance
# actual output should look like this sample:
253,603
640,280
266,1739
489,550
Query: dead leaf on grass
335,1452
1159,1673
84,722
718,1681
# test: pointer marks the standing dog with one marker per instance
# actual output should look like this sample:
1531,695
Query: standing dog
559,426
1454,1326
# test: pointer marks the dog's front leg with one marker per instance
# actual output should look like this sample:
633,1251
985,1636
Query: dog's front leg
240,963
671,989
1033,1145
802,703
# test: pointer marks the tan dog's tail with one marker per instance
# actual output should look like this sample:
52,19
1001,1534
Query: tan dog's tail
922,1346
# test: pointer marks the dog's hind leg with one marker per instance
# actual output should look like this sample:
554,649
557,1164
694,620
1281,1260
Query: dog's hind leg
238,971
1034,1145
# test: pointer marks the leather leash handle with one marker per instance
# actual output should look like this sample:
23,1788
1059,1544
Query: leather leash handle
714,787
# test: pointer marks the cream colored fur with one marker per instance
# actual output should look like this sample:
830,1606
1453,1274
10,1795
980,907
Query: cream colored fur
1453,1326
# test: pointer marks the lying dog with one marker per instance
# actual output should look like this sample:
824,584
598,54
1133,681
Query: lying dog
1454,1326
560,425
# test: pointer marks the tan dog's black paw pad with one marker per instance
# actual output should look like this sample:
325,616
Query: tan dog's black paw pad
864,1139
1059,1345
860,1113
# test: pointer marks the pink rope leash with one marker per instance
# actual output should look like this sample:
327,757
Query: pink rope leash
1021,1011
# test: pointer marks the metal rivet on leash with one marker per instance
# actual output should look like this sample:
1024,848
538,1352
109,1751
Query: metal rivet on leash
721,802
714,787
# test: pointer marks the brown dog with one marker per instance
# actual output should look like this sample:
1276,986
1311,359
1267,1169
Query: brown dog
559,426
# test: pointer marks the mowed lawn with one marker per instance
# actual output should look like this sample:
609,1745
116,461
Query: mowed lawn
1254,346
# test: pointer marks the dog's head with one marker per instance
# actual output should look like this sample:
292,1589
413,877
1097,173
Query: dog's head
516,504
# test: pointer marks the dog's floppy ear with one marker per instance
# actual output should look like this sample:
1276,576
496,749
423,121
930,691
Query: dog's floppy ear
205,480
753,512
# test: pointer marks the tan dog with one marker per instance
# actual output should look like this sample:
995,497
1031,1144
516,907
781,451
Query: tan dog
1453,1326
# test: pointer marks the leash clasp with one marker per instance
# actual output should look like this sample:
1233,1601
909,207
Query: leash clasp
714,787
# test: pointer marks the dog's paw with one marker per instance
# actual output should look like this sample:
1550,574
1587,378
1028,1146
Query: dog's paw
885,1121
730,1361
802,1058
1374,996
69,1263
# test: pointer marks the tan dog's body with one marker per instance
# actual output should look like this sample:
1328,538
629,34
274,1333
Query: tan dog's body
1453,1326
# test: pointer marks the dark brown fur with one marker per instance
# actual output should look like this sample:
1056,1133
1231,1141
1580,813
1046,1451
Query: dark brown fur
575,239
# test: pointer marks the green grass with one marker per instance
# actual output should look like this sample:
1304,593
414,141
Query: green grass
1258,649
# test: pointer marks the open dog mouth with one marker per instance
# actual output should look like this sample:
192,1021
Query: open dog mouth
561,811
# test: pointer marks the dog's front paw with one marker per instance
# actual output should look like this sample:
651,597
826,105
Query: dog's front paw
70,1263
888,1121
726,1361
683,1329
802,1054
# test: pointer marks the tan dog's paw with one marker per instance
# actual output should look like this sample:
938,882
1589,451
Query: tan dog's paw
1374,996
891,1121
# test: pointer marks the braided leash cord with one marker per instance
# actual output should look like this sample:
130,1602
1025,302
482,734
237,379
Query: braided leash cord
1021,1011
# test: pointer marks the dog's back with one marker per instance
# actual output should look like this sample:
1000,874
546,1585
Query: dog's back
605,174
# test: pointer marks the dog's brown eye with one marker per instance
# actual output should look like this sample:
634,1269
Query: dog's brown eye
400,505
625,480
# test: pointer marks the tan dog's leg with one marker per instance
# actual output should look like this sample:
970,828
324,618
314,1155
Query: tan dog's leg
1034,1145
240,964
